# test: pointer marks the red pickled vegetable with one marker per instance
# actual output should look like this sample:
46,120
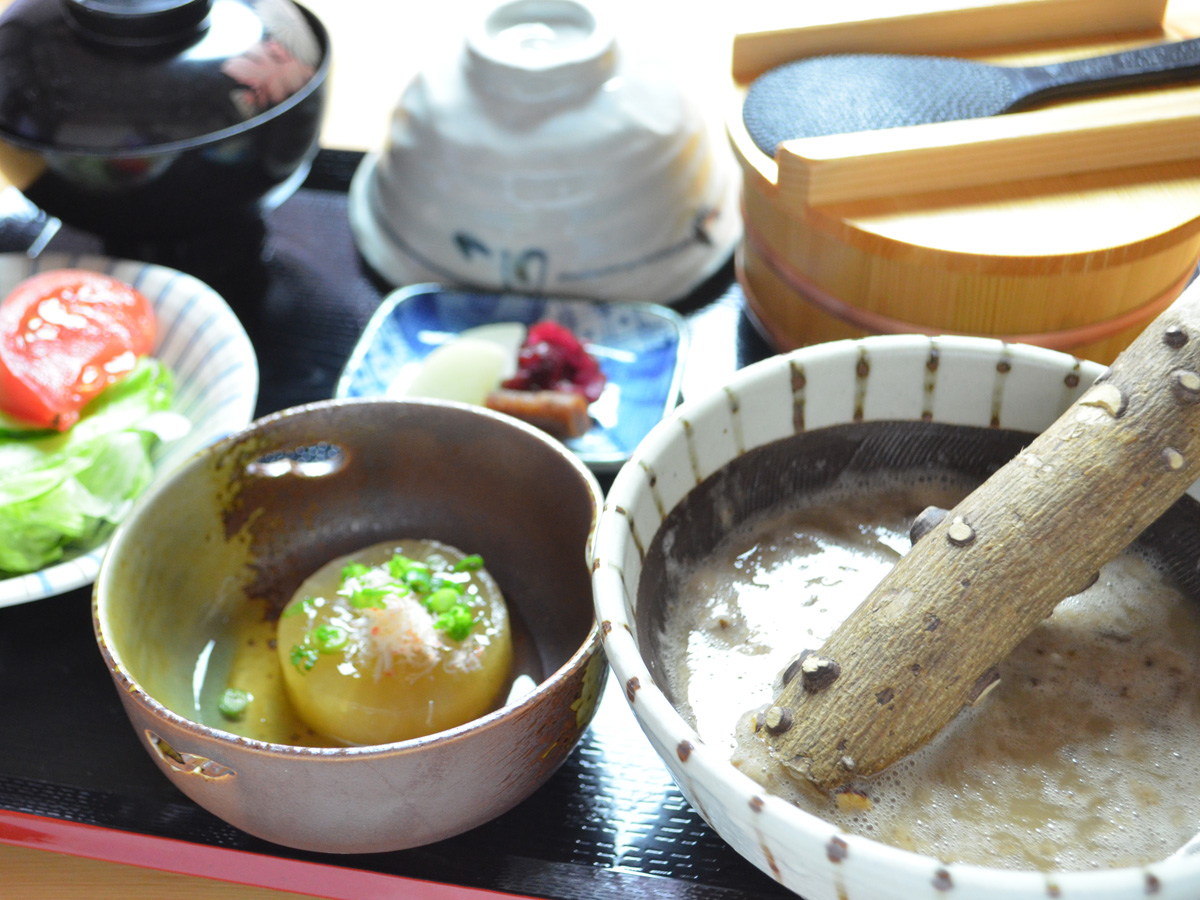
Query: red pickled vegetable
553,359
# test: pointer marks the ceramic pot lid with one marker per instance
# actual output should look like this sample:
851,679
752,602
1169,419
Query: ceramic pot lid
119,76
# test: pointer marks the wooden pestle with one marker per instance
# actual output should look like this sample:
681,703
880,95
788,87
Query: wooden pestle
926,641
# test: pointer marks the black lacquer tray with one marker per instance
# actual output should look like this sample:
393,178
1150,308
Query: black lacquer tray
73,778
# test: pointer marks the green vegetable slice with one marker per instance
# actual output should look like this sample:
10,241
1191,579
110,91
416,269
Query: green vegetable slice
372,597
11,428
471,563
59,490
330,638
233,703
457,622
303,657
442,600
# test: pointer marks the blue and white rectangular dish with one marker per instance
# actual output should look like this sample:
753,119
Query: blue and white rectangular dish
640,347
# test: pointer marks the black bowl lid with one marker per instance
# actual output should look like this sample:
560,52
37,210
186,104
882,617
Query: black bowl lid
131,21
120,76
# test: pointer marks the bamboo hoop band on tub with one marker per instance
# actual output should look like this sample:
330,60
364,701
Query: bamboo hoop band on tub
871,322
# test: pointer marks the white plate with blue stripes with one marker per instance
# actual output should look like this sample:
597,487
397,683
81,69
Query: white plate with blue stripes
641,349
216,382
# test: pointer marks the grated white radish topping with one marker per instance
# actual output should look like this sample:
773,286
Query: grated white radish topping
402,630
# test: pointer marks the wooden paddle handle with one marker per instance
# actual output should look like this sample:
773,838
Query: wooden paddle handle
926,641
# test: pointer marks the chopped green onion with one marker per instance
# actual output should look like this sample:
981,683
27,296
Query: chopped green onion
441,581
442,600
302,657
233,703
330,638
354,570
398,565
295,609
457,621
468,563
370,598
418,577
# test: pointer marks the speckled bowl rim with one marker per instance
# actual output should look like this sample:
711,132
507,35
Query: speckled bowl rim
801,851
129,686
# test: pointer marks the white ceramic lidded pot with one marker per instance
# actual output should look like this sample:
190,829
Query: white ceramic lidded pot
542,159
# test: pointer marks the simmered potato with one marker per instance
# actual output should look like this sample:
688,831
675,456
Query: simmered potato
395,641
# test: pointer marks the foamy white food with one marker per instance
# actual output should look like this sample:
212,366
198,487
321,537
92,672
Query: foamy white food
1086,755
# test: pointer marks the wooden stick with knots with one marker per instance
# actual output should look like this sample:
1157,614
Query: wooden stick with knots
926,641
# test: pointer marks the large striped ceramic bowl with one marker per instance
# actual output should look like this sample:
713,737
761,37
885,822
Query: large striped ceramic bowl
959,381
216,382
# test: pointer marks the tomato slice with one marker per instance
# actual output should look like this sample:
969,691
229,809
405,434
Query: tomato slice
65,335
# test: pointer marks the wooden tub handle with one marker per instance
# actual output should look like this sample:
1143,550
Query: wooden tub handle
1090,136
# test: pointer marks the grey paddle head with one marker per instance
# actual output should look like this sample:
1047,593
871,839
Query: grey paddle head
861,92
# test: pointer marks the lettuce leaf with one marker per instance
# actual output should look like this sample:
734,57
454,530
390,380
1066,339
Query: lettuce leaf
63,491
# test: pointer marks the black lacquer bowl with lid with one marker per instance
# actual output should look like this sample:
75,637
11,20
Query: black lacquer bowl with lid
159,118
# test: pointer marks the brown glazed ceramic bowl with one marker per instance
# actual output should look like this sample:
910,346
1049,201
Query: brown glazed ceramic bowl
233,533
